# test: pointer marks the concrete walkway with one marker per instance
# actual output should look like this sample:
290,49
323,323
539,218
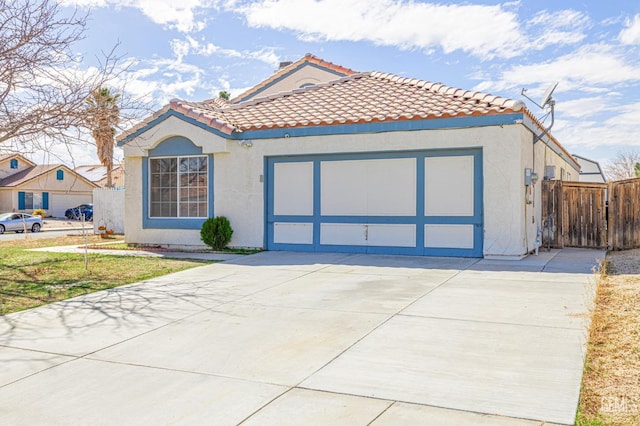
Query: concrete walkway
308,338
213,257
61,224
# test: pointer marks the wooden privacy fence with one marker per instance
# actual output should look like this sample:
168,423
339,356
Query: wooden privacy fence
624,214
575,214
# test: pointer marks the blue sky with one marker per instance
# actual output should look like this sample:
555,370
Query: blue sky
192,49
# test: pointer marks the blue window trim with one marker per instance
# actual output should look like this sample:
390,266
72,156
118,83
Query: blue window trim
14,163
177,146
419,220
60,174
45,201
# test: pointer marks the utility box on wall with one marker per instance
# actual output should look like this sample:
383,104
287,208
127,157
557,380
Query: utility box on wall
549,172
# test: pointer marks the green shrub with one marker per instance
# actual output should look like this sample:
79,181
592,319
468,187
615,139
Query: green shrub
216,232
39,212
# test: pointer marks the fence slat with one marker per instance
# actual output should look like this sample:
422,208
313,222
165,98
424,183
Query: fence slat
579,210
624,214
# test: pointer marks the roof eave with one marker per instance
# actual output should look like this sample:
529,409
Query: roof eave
217,127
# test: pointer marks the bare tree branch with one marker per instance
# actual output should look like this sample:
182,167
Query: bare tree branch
43,85
625,165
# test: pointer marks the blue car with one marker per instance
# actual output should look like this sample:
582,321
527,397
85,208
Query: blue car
78,211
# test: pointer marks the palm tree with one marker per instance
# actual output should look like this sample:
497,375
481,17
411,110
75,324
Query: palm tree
103,115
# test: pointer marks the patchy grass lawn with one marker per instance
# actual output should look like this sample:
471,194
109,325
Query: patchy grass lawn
29,279
611,383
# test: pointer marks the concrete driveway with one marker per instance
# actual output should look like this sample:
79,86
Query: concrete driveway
295,338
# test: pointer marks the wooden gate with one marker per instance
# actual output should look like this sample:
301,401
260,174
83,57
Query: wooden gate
624,214
574,214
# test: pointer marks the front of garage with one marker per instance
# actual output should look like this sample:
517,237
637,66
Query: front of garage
60,202
412,202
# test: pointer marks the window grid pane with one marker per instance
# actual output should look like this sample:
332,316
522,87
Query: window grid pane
178,187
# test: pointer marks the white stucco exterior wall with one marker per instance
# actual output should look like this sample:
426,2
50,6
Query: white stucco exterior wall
305,75
6,170
239,180
48,182
537,156
5,200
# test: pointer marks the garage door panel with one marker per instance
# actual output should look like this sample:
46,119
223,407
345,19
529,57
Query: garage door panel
384,187
448,236
391,235
293,233
343,234
343,189
449,184
293,188
391,189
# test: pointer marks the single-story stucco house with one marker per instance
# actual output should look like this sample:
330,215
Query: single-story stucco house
590,170
319,157
26,186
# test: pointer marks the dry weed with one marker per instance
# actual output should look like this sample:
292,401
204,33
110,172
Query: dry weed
611,383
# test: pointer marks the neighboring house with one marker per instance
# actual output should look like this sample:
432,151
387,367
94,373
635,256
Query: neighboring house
98,175
26,186
590,170
361,163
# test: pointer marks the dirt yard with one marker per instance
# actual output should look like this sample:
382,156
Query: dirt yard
611,384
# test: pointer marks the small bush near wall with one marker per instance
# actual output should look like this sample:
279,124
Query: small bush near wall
39,212
216,232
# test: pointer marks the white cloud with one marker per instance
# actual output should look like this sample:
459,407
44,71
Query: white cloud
191,46
183,15
404,24
587,69
585,107
484,31
562,27
616,133
631,34
560,19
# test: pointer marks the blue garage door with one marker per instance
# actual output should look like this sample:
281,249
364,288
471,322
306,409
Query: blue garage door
416,203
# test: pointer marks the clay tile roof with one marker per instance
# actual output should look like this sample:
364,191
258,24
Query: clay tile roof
217,103
357,98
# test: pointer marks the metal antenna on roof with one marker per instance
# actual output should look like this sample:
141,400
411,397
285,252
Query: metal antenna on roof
547,100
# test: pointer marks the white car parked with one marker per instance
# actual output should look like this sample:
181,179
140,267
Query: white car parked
19,222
